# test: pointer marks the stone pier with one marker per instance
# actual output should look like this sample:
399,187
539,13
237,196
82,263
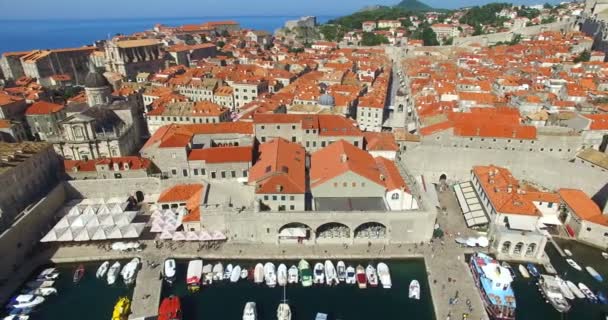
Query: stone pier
148,287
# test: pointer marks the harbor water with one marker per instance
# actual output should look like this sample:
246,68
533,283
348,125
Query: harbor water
226,300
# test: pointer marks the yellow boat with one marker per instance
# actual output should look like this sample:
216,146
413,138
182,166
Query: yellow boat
121,309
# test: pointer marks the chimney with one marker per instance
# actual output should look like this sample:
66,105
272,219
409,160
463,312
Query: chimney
382,177
343,158
279,188
125,166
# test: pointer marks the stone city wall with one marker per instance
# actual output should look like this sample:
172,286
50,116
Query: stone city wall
493,38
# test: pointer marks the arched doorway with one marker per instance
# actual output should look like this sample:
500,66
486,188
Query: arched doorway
371,230
294,232
139,196
506,247
531,250
443,177
518,248
332,230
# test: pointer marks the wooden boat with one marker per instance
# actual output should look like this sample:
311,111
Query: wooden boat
523,271
170,309
78,274
573,264
361,278
594,274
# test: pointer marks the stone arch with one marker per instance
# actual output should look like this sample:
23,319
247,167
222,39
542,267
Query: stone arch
506,247
295,231
139,196
371,230
518,248
443,177
531,250
332,230
400,107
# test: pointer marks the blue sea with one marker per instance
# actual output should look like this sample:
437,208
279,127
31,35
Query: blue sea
21,35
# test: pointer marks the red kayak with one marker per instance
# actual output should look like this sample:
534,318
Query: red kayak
170,309
78,274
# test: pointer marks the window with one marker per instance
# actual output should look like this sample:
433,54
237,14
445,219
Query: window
549,204
244,173
196,172
323,144
274,198
344,184
265,197
292,198
233,174
282,198
356,143
203,172
293,139
293,127
588,229
213,175
335,184
395,196
223,174
185,172
292,207
174,172
354,184
278,127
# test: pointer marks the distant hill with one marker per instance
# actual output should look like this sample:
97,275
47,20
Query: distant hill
413,5
372,7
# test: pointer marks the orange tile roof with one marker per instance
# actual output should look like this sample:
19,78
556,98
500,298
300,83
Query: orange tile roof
180,193
392,178
179,135
598,121
134,162
380,141
580,203
222,154
280,168
43,107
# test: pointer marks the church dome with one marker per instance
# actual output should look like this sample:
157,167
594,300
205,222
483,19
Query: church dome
95,79
327,100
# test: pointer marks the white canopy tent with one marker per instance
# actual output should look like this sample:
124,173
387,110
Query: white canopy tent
166,235
51,236
179,236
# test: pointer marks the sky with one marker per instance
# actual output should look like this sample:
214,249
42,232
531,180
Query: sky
88,9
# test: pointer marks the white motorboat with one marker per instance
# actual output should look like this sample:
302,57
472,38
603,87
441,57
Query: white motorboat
194,274
414,291
258,273
350,275
236,274
331,277
244,273
587,292
341,269
27,301
574,265
594,273
575,290
16,317
292,275
372,277
524,272
270,275
563,287
550,288
103,268
250,312
39,284
113,273
228,271
48,274
45,292
283,312
604,255
169,270
318,274
568,252
207,274
129,271
384,275
282,274
218,272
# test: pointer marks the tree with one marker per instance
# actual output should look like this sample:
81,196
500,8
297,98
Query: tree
221,44
478,30
583,57
547,6
429,37
550,19
332,32
225,33
448,41
371,39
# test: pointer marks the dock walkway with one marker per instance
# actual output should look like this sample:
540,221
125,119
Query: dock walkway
148,286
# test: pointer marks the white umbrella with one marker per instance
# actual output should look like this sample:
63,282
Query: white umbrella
128,231
81,235
51,236
170,226
99,234
156,214
157,227
204,236
105,220
89,210
82,220
216,235
117,208
114,233
139,228
65,235
74,211
191,236
121,219
63,223
94,222
103,209
130,215
117,200
179,236
169,212
166,235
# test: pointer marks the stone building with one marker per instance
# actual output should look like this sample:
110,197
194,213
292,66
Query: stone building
10,64
31,169
12,107
44,64
189,54
593,158
43,119
186,112
130,56
583,218
247,90
12,131
109,168
97,89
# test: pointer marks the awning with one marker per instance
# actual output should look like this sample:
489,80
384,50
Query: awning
551,220
517,224
293,233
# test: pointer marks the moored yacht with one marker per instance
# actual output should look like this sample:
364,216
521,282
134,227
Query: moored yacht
113,273
282,275
331,277
587,292
169,268
563,287
49,274
341,270
236,274
129,272
523,271
292,275
594,274
228,271
550,288
194,274
101,271
218,271
270,275
284,311
573,264
258,273
319,274
250,312
414,290
372,276
170,309
304,273
350,275
207,274
361,278
575,290
384,275
494,283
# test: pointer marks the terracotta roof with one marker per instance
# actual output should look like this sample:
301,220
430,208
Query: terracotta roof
134,163
598,121
43,107
392,178
179,135
280,168
327,125
580,203
380,141
222,154
180,193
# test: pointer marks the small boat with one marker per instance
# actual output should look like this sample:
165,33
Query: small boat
284,311
533,270
121,309
384,275
218,272
129,272
244,273
331,276
78,274
604,255
602,297
282,274
573,264
113,273
319,274
523,271
594,274
258,274
16,317
169,270
39,284
270,276
228,271
414,291
45,292
588,293
372,276
292,275
250,312
48,274
507,266
26,301
551,290
170,309
350,275
207,275
101,271
361,278
341,269
194,274
575,290
568,252
563,287
304,273
321,316
236,274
